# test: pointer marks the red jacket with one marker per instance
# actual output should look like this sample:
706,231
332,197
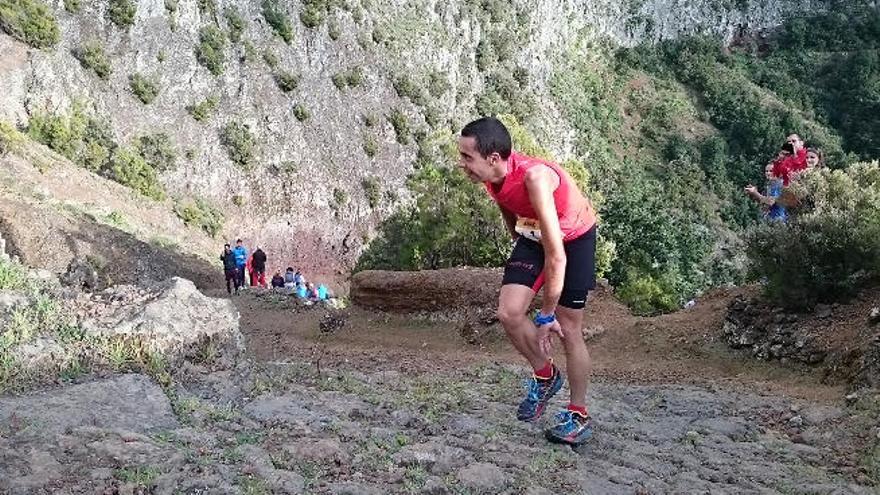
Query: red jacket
792,163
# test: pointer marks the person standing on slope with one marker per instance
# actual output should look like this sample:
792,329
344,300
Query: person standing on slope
241,257
554,228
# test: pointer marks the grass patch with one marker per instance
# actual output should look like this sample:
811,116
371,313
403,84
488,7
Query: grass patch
140,475
240,143
129,168
29,21
10,138
146,89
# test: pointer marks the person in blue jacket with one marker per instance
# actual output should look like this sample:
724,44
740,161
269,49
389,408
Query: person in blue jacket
241,255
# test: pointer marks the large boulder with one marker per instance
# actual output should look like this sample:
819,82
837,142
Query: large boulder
427,290
172,318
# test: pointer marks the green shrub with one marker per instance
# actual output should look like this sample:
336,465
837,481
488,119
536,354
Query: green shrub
238,200
144,88
158,151
400,123
91,56
248,52
438,84
130,169
29,21
275,16
209,53
235,22
301,112
333,30
72,6
83,138
352,77
270,58
372,191
407,88
646,295
311,15
240,143
828,251
171,6
371,145
203,110
10,138
208,7
286,81
122,12
370,120
340,199
199,213
161,56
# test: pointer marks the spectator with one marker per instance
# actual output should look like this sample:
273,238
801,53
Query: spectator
773,211
794,162
815,158
241,256
301,291
289,279
322,292
230,269
312,292
299,279
278,280
258,263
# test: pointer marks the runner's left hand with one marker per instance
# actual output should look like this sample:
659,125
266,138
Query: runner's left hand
545,332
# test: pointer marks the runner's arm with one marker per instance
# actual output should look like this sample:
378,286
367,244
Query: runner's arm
509,221
540,183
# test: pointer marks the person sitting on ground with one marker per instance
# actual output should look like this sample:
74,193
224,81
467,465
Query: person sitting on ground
322,292
301,291
298,278
278,280
289,279
312,292
772,210
258,263
229,268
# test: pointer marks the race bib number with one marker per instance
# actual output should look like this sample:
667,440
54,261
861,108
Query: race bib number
528,228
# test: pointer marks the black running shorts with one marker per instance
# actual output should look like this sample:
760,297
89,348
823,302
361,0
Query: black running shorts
526,267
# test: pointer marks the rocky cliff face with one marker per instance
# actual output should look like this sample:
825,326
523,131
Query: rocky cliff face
320,183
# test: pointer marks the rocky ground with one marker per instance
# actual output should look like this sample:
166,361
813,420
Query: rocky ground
343,411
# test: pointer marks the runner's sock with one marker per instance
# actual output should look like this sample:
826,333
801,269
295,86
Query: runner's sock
546,372
582,410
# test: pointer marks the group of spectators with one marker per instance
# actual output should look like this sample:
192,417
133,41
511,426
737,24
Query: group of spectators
787,167
237,264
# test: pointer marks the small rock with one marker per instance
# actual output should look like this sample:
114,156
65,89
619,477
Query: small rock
483,477
796,421
435,486
874,316
823,311
348,488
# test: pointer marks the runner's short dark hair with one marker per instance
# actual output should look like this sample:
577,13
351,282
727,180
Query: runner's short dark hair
491,136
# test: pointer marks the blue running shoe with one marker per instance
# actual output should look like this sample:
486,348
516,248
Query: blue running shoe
571,428
539,394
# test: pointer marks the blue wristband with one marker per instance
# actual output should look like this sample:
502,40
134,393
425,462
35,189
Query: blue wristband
543,319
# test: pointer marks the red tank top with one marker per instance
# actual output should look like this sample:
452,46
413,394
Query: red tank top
576,214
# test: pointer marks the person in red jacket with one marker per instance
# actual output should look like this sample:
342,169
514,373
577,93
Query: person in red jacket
795,162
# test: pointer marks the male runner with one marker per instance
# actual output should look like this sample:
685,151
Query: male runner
554,227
